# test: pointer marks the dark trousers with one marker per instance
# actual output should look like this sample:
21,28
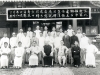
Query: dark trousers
76,60
48,60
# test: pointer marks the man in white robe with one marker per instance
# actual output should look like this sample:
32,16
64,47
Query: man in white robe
70,30
26,44
4,39
19,53
33,50
53,33
91,51
79,35
45,32
37,31
20,35
61,33
5,51
83,45
50,39
13,45
41,44
29,33
57,40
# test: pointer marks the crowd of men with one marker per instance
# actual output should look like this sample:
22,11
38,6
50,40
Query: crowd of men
55,47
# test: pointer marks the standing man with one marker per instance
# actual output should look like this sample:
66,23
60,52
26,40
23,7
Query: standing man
45,32
57,40
13,45
73,38
61,33
70,30
57,43
41,44
4,39
29,33
50,39
37,31
83,45
20,34
66,39
53,33
26,44
79,35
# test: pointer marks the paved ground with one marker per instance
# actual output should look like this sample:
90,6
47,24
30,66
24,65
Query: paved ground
47,71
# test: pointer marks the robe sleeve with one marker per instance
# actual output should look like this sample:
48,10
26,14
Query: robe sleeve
96,50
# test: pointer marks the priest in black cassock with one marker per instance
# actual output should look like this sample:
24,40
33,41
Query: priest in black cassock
76,54
47,55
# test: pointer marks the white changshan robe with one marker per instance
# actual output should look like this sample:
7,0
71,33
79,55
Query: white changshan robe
41,43
90,55
4,56
79,35
19,51
19,36
69,31
30,34
57,41
13,42
25,41
84,42
37,33
33,59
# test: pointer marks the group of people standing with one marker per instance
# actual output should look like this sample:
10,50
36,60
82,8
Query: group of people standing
49,47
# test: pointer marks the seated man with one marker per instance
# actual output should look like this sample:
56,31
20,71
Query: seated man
47,55
19,53
61,53
5,51
34,51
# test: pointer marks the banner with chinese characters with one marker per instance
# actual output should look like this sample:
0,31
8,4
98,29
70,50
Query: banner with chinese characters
48,13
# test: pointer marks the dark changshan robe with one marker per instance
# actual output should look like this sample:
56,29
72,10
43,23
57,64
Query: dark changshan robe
76,55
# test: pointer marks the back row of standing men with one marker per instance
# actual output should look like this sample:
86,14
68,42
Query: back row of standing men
53,38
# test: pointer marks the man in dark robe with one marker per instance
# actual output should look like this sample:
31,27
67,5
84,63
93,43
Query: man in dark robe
76,54
66,40
73,38
47,55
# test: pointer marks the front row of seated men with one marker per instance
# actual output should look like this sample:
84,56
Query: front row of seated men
20,55
47,55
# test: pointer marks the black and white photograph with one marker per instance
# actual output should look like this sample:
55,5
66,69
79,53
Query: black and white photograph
42,37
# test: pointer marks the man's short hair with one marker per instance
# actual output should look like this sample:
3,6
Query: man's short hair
19,42
5,42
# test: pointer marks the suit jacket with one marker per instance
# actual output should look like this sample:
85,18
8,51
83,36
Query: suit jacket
73,39
66,40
